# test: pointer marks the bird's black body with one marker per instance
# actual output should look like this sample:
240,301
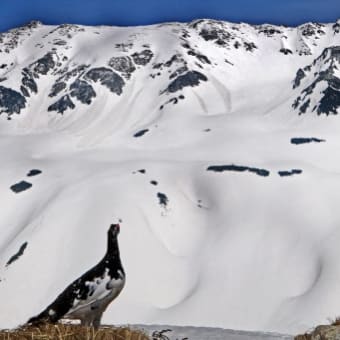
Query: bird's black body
87,297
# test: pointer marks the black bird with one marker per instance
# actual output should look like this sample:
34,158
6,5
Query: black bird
87,297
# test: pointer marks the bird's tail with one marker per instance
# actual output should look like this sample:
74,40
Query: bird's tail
40,319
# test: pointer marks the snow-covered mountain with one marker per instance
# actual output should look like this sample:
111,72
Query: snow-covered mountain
214,144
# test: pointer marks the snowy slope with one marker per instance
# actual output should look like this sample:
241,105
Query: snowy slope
216,145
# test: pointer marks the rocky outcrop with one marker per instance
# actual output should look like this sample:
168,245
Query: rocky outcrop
44,64
81,90
191,78
324,71
113,81
142,58
11,101
62,105
57,88
123,65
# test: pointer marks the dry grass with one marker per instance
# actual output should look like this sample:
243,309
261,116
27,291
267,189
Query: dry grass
71,332
336,322
330,331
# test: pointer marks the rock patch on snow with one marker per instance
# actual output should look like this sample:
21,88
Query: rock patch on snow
239,168
16,256
21,186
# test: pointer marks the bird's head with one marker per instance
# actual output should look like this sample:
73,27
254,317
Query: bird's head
113,231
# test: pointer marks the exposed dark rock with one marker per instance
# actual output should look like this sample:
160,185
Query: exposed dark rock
60,42
249,46
16,256
299,76
163,199
11,101
62,105
113,81
237,44
141,133
286,51
75,72
178,72
308,30
305,140
304,106
82,91
33,24
2,66
123,65
24,91
44,64
191,78
336,27
270,31
142,171
157,66
154,183
290,173
142,58
34,172
57,88
124,47
21,186
173,100
220,36
238,168
202,58
296,103
330,101
28,81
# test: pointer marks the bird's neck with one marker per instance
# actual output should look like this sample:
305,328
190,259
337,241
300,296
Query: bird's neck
112,249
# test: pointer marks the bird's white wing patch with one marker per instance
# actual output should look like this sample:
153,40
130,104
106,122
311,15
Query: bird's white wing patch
100,288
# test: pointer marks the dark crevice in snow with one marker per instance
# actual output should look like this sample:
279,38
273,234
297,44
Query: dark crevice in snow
16,256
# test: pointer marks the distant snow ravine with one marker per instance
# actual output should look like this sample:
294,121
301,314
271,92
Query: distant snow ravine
215,144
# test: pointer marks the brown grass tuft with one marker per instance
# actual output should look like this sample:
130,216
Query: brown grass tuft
336,322
71,332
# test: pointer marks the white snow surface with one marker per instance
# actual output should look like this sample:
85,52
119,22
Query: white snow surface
226,249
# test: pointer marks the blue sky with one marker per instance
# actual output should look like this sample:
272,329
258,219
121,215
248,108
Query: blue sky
14,13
